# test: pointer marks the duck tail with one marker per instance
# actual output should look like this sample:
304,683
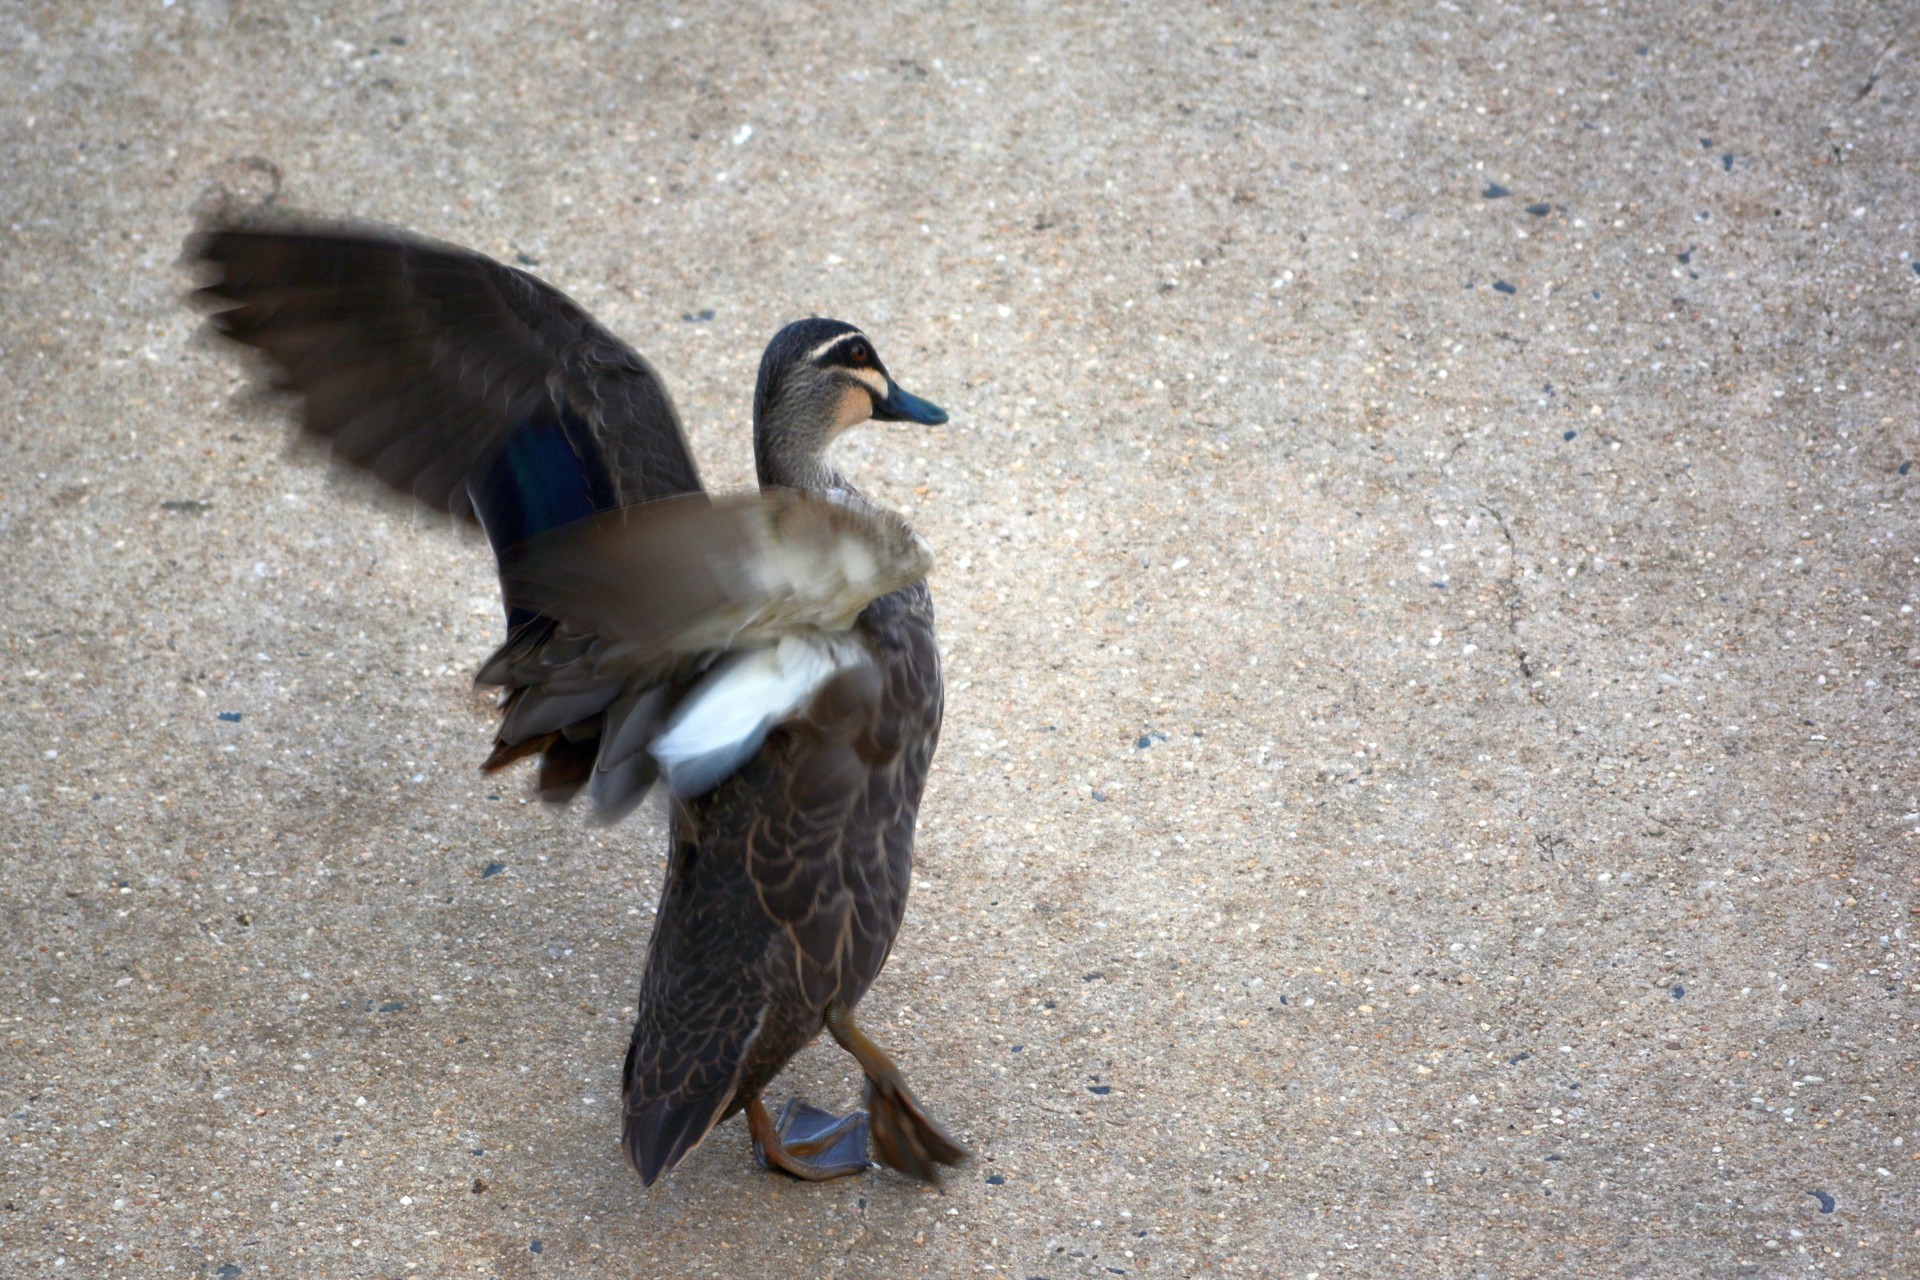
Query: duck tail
660,1130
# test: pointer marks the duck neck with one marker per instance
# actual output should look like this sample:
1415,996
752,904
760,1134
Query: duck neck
793,455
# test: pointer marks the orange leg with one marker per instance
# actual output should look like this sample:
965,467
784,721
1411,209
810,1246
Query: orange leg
905,1137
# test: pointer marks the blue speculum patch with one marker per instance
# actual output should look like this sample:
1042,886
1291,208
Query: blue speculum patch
548,473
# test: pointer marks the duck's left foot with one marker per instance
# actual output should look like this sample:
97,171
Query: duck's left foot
807,1142
905,1137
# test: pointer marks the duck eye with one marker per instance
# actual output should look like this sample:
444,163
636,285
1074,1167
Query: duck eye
857,353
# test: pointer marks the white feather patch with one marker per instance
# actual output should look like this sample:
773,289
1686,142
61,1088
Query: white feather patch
729,714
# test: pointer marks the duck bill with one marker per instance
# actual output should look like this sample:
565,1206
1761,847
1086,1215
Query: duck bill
904,406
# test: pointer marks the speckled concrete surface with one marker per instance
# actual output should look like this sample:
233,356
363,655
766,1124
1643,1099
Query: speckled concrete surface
1428,570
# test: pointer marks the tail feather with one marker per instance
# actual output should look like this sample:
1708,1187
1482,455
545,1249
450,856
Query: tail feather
661,1132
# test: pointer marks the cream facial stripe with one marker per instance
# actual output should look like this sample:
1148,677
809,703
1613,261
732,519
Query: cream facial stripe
873,381
833,342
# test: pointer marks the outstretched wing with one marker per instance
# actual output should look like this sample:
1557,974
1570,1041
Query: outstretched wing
474,388
470,385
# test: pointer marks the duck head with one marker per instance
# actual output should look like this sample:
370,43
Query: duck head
817,378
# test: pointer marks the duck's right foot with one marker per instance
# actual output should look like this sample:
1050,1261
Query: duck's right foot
807,1142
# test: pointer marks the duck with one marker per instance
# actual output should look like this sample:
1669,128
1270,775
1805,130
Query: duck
765,660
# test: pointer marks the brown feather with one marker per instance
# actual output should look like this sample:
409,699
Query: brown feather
416,359
506,753
693,574
565,767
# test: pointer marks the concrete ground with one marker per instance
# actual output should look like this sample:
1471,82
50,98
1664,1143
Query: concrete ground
1428,570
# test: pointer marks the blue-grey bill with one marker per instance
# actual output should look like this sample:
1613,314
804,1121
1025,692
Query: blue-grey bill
904,406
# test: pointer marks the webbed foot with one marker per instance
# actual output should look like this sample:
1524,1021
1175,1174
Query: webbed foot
905,1137
807,1142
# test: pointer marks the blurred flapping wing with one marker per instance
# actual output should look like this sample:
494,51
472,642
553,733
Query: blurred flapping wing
420,362
677,578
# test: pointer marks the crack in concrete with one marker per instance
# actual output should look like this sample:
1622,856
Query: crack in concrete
1873,75
1516,602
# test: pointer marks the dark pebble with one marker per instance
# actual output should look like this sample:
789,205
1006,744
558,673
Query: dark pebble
1495,191
1726,162
1283,999
1099,1090
534,1246
697,317
1501,286
1568,435
231,717
526,259
1101,796
1092,977
1518,1058
1439,586
1826,1203
1016,1048
188,506
493,869
479,1186
1685,257
1706,144
1678,991
1148,739
1905,465
1916,268
231,1271
1540,210
392,1006
995,1180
